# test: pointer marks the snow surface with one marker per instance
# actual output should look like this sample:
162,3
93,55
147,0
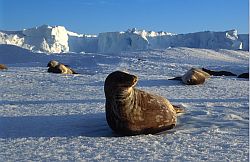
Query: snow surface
53,117
57,39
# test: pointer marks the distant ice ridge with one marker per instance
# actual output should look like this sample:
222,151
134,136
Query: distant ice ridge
43,38
49,39
57,39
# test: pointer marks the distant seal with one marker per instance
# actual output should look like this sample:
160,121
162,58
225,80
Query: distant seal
130,111
193,76
219,73
243,75
3,67
56,67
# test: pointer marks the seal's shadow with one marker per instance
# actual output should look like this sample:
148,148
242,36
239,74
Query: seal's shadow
90,125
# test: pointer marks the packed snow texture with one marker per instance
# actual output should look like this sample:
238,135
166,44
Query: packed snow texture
54,117
57,39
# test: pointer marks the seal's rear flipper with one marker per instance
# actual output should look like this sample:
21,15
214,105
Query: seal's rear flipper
178,109
176,78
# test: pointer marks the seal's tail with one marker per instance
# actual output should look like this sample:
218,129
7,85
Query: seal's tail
178,109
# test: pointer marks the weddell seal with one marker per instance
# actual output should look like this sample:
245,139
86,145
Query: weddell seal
218,73
3,67
193,76
130,111
56,67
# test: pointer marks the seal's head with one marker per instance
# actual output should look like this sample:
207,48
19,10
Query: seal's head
53,63
119,81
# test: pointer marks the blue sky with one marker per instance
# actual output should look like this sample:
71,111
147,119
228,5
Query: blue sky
95,16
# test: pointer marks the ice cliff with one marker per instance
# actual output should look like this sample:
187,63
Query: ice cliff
43,38
57,39
50,40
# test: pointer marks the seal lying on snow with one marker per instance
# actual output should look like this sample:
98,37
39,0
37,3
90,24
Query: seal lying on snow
218,73
3,67
193,76
225,73
56,67
130,111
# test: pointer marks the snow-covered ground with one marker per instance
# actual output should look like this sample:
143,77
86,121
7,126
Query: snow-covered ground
52,117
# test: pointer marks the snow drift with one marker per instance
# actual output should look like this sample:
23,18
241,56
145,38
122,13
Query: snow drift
57,39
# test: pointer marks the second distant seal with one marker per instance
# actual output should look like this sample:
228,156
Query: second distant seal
56,67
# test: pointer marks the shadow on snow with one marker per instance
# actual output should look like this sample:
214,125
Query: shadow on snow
87,101
89,125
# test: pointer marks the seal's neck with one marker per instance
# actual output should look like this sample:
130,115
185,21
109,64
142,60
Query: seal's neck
123,103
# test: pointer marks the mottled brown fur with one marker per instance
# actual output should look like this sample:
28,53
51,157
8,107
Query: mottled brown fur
3,67
194,76
56,67
130,111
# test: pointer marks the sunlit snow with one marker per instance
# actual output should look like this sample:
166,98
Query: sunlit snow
52,117
55,117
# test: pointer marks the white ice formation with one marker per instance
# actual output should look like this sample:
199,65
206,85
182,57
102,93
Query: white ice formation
57,39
